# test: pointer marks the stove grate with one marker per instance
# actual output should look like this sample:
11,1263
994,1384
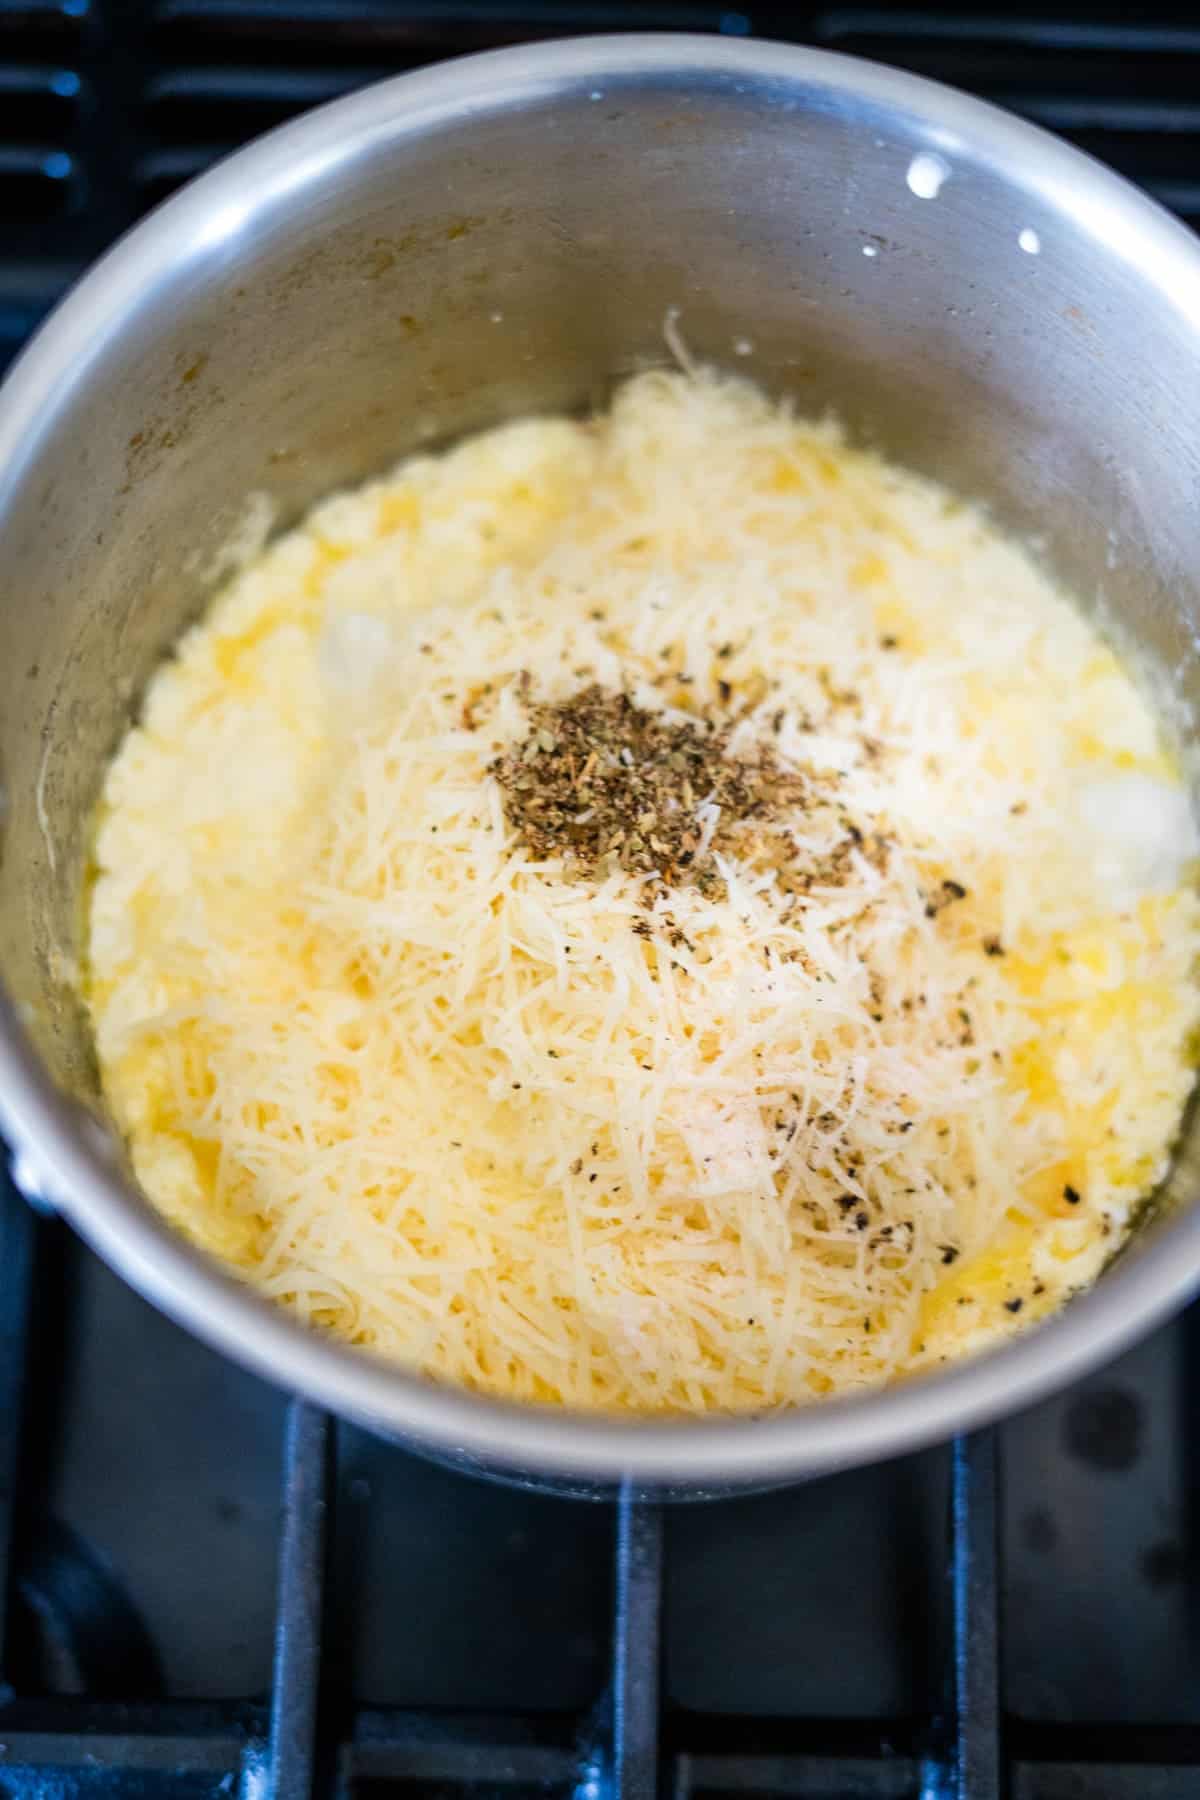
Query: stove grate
310,1739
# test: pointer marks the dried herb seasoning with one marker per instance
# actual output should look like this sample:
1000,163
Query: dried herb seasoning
610,785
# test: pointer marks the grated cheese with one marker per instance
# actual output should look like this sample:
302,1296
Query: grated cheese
585,1141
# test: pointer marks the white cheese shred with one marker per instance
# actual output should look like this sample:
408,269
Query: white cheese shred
592,1140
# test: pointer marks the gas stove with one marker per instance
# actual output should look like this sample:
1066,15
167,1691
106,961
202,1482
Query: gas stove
209,1589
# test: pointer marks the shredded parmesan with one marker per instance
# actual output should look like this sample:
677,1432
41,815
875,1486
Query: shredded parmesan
888,1085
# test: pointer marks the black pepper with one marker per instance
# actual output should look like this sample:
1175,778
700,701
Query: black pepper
946,895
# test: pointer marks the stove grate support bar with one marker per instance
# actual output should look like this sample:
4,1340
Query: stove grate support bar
974,1573
402,1746
295,1688
637,1647
163,1750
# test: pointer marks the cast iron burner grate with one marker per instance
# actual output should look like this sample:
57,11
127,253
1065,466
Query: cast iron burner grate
1014,1615
311,1737
90,1704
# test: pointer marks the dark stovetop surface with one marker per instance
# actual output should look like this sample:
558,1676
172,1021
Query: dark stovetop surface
804,1633
859,1636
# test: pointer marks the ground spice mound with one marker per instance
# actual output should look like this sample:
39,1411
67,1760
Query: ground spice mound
607,784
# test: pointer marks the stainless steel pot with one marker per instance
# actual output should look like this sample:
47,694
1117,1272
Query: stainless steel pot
509,233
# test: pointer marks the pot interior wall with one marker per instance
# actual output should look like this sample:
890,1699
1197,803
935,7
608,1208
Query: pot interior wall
439,280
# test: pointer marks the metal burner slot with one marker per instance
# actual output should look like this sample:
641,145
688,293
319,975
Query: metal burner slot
39,176
43,24
407,35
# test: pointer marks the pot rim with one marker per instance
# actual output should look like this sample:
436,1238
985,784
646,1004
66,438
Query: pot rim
64,1157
